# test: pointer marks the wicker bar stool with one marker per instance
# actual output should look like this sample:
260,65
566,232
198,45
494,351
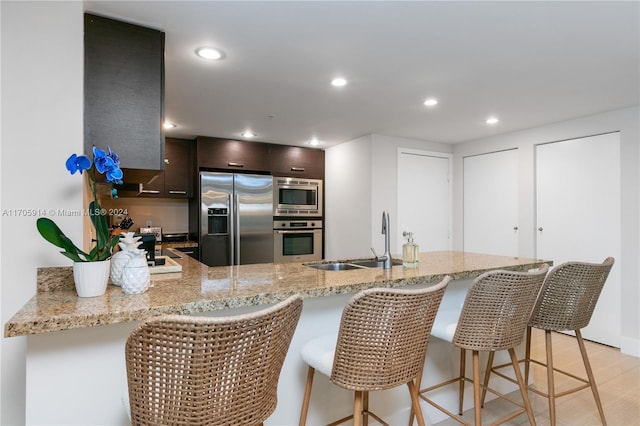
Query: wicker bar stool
566,303
381,344
494,317
185,370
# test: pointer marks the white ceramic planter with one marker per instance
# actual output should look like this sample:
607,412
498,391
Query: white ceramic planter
91,278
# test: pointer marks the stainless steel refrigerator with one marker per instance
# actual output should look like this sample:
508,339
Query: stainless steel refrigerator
236,218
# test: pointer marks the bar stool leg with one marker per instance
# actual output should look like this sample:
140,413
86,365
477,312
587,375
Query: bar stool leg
307,396
527,355
522,386
415,404
476,388
357,409
463,355
487,375
365,408
592,381
417,387
550,383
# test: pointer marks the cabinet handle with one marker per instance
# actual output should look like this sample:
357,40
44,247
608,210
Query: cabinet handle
235,164
177,192
297,169
149,191
540,229
515,228
166,161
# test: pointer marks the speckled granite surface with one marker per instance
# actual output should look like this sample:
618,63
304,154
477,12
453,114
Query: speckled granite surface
199,288
177,244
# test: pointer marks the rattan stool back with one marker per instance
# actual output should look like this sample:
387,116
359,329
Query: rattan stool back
494,317
186,370
569,295
566,303
381,344
497,309
383,337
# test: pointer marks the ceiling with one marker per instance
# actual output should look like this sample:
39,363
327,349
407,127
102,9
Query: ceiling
527,63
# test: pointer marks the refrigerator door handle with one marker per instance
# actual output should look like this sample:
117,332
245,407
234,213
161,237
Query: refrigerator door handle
232,224
236,231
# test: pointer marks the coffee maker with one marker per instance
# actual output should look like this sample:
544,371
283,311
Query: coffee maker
149,245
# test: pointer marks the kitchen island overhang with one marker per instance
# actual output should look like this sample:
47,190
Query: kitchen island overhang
198,289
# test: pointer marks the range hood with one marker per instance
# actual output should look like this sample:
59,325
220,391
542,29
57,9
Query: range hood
134,181
129,189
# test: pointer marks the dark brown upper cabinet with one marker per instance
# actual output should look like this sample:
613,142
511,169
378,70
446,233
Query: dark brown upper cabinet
177,179
297,161
124,93
178,167
228,154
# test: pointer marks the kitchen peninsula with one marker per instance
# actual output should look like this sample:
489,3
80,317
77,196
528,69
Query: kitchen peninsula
75,345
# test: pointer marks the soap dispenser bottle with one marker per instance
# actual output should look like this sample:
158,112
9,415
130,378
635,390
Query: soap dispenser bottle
410,252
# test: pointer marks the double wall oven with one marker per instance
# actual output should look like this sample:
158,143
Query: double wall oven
297,219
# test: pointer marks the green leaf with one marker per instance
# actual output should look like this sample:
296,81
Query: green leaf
52,233
72,256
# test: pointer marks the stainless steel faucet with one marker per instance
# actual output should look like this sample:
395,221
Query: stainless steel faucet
386,231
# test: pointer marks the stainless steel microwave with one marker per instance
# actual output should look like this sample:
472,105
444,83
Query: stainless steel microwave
297,197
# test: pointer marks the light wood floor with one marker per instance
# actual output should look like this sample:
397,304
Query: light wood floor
617,376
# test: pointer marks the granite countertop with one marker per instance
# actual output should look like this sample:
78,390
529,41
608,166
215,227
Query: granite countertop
172,244
199,288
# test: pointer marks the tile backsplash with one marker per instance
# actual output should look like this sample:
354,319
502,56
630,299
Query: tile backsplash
170,214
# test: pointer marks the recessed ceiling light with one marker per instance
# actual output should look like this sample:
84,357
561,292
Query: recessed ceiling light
431,102
339,82
248,134
492,120
209,53
168,125
314,142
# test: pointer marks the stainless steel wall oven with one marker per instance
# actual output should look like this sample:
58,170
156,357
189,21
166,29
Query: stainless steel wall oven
297,240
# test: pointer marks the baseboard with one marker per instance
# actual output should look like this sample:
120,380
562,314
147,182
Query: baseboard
630,346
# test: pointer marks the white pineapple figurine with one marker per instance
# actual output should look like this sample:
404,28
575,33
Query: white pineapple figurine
136,277
128,248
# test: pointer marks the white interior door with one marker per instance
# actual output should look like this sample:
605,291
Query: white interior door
491,203
578,216
424,199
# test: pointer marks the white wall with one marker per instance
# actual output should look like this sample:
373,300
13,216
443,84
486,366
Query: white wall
347,199
627,122
385,181
41,126
360,183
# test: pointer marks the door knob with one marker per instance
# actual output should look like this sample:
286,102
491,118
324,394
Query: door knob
540,229
515,228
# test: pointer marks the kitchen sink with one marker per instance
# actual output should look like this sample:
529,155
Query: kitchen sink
337,266
374,263
355,264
